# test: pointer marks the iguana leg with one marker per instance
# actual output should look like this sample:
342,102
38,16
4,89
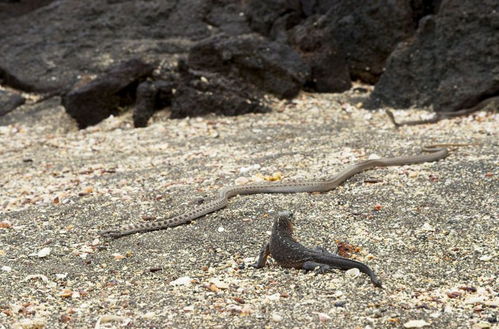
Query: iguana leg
314,266
262,257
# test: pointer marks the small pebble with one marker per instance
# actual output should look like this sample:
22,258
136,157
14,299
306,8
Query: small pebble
6,268
241,181
276,317
247,309
35,323
454,294
323,317
189,308
219,284
182,281
274,297
340,303
44,252
474,300
111,318
244,170
149,315
5,224
352,273
492,303
427,228
416,324
234,308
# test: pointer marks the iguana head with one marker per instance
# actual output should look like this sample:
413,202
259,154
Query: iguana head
284,222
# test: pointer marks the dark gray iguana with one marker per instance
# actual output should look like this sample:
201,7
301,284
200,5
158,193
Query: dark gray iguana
289,253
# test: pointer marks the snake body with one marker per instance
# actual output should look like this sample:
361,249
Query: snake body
435,152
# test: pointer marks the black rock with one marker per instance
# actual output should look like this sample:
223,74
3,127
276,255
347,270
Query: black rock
369,32
101,97
314,40
9,101
227,17
152,96
365,32
271,66
9,79
49,48
274,18
452,62
15,8
340,303
202,92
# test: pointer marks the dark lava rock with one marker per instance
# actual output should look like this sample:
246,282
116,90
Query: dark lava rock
422,8
314,41
271,66
227,16
101,97
48,48
145,104
152,96
366,32
193,93
36,113
202,92
274,18
9,79
15,8
451,63
9,101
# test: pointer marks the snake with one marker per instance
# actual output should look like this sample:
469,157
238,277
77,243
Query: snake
438,116
434,153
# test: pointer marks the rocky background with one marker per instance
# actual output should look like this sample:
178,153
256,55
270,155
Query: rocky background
429,231
96,54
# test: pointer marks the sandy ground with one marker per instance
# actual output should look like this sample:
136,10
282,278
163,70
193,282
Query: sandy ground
429,231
